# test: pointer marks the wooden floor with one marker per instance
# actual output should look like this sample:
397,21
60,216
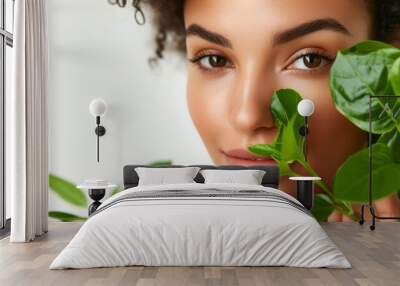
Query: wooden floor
375,257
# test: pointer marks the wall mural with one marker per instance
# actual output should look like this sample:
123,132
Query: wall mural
250,118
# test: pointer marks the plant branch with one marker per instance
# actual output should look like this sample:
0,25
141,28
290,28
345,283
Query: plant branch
339,205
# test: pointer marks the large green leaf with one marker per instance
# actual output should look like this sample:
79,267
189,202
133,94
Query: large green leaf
288,144
284,105
369,47
392,140
67,191
62,216
323,207
360,72
288,141
352,179
394,77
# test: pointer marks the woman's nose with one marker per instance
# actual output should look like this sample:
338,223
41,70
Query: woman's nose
251,102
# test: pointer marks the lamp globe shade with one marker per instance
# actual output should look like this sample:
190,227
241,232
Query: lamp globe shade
306,107
97,107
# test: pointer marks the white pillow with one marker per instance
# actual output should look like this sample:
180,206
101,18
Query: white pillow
248,177
163,176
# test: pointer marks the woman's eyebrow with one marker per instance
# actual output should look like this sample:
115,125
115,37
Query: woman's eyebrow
197,30
308,28
281,38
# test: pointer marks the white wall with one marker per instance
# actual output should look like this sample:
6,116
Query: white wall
98,50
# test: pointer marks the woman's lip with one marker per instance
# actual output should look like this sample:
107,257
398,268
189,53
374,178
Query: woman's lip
243,157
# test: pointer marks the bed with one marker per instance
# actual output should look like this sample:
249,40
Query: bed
201,224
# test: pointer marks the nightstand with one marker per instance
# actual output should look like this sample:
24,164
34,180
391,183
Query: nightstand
96,193
305,190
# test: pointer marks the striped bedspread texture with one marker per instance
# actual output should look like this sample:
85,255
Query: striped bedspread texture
201,225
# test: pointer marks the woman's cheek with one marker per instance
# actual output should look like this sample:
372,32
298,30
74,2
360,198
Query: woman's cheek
208,101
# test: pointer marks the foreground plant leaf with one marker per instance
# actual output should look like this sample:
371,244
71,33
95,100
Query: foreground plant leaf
266,150
351,180
288,144
288,141
360,72
67,191
323,207
394,77
284,105
392,140
62,216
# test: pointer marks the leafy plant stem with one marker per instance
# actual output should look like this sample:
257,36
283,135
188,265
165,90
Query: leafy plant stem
321,183
338,204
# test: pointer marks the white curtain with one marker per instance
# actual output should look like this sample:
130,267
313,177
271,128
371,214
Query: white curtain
26,123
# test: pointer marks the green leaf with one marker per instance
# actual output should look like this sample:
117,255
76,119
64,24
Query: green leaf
288,141
392,140
62,216
352,178
116,190
67,191
284,105
394,77
285,170
369,47
288,144
360,72
266,150
323,207
160,163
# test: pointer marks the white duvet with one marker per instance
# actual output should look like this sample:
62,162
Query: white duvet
200,231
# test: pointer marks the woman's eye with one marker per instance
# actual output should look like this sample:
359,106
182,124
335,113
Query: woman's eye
310,62
211,61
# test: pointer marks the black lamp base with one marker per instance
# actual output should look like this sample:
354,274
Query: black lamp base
305,193
96,195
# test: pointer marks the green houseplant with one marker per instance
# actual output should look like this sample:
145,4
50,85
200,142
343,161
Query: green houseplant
368,68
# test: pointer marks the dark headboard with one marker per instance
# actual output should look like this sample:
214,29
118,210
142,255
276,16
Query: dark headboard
271,177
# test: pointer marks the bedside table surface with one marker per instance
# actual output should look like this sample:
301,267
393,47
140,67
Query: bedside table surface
305,178
94,187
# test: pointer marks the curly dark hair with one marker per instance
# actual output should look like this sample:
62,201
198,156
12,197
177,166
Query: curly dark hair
169,20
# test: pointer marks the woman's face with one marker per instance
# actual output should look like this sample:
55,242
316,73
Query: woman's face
243,51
